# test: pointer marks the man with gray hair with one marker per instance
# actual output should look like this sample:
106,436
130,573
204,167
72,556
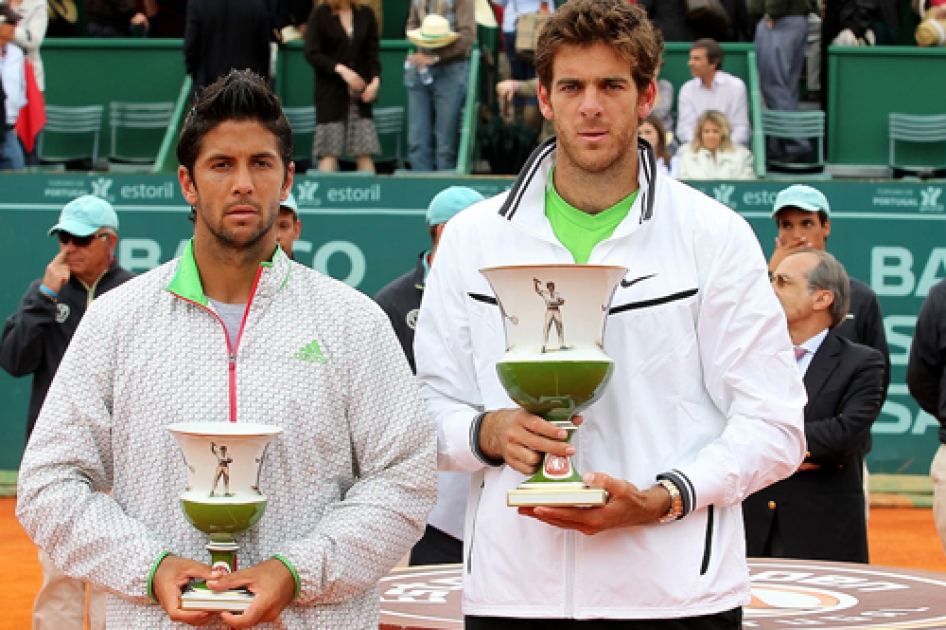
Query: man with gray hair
818,513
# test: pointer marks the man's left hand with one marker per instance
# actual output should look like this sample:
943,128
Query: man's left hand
626,507
273,588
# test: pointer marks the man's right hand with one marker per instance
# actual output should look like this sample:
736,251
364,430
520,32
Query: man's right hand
57,273
783,249
174,573
520,438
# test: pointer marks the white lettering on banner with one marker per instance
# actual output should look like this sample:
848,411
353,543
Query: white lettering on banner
305,192
356,259
138,254
929,200
101,186
905,421
894,263
144,191
760,198
897,339
723,193
891,271
301,246
350,193
930,276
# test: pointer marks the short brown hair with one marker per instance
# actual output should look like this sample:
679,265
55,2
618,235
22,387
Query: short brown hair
622,26
714,52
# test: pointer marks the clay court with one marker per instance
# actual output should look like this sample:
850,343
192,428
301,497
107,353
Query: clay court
899,537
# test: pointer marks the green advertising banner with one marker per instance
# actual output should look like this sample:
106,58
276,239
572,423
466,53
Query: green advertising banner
367,231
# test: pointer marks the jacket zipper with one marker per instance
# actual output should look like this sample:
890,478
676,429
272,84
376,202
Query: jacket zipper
232,347
469,553
708,548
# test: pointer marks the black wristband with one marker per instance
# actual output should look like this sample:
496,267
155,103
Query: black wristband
475,443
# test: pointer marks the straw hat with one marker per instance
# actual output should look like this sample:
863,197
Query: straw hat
434,32
484,14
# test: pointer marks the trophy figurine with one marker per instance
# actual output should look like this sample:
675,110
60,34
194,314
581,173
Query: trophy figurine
555,365
223,497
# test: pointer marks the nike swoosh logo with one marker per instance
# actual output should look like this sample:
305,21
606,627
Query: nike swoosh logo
629,283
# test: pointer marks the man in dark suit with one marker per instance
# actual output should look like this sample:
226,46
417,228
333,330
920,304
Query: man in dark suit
818,513
221,35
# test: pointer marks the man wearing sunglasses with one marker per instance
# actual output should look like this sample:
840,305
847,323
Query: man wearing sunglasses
34,341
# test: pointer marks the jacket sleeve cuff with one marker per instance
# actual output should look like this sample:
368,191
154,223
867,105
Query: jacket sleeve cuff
475,443
154,569
295,575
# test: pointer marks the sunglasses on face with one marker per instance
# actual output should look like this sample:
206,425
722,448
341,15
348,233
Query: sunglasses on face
79,241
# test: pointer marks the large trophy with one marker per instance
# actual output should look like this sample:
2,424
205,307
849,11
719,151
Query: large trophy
555,364
223,497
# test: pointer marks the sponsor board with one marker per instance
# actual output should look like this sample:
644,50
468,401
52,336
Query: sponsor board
785,594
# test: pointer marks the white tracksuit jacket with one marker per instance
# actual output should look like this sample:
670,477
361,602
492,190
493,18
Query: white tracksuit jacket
705,389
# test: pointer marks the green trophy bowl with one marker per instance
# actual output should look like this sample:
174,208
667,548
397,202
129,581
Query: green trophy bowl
555,366
222,499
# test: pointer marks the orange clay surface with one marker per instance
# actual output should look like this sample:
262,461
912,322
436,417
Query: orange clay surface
899,537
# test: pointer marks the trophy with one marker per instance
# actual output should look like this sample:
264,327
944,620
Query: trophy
222,498
555,365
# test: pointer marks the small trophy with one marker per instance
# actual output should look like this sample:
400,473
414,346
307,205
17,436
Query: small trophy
555,364
223,497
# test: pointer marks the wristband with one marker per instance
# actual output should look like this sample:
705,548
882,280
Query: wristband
154,569
48,292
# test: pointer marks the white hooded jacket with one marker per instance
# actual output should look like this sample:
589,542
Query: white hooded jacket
705,390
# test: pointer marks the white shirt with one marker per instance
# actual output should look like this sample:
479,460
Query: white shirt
727,95
14,81
515,8
811,346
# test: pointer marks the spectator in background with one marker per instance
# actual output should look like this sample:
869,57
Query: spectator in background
712,155
442,542
669,16
62,18
507,90
522,66
114,18
13,81
818,512
342,44
167,18
926,378
30,33
664,107
444,32
221,35
34,341
652,130
712,89
288,225
780,39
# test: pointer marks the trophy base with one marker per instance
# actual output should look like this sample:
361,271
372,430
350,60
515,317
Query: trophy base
202,598
556,495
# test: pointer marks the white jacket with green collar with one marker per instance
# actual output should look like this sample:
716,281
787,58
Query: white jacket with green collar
349,481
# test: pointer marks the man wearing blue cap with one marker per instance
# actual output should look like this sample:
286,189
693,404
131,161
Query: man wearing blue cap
442,542
803,216
34,340
288,225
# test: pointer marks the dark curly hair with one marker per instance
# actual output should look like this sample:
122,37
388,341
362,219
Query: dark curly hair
240,95
622,26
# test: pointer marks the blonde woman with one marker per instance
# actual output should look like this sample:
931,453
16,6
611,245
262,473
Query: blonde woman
342,44
712,154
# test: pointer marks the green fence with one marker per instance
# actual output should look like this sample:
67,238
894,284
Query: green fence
367,231
100,71
867,83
